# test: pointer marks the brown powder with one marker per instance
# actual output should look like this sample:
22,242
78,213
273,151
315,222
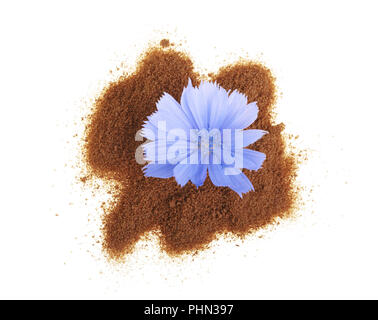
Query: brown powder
187,218
165,43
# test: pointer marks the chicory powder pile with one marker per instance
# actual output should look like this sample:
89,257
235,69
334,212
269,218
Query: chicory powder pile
186,219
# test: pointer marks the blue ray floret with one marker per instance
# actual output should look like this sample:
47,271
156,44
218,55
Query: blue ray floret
204,133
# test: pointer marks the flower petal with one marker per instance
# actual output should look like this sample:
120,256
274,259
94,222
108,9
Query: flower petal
251,136
244,117
149,131
196,102
199,175
155,151
168,104
169,116
199,107
235,104
253,160
217,176
185,102
237,99
170,120
178,151
240,184
218,108
183,173
158,170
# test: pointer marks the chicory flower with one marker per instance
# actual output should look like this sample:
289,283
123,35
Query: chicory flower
204,133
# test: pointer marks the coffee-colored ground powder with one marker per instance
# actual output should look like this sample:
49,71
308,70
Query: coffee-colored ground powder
187,218
165,43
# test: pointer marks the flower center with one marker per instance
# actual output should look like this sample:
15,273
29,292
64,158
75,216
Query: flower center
210,146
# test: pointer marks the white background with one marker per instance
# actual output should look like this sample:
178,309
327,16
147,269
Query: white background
56,56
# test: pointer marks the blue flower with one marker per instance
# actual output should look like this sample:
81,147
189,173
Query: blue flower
203,133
